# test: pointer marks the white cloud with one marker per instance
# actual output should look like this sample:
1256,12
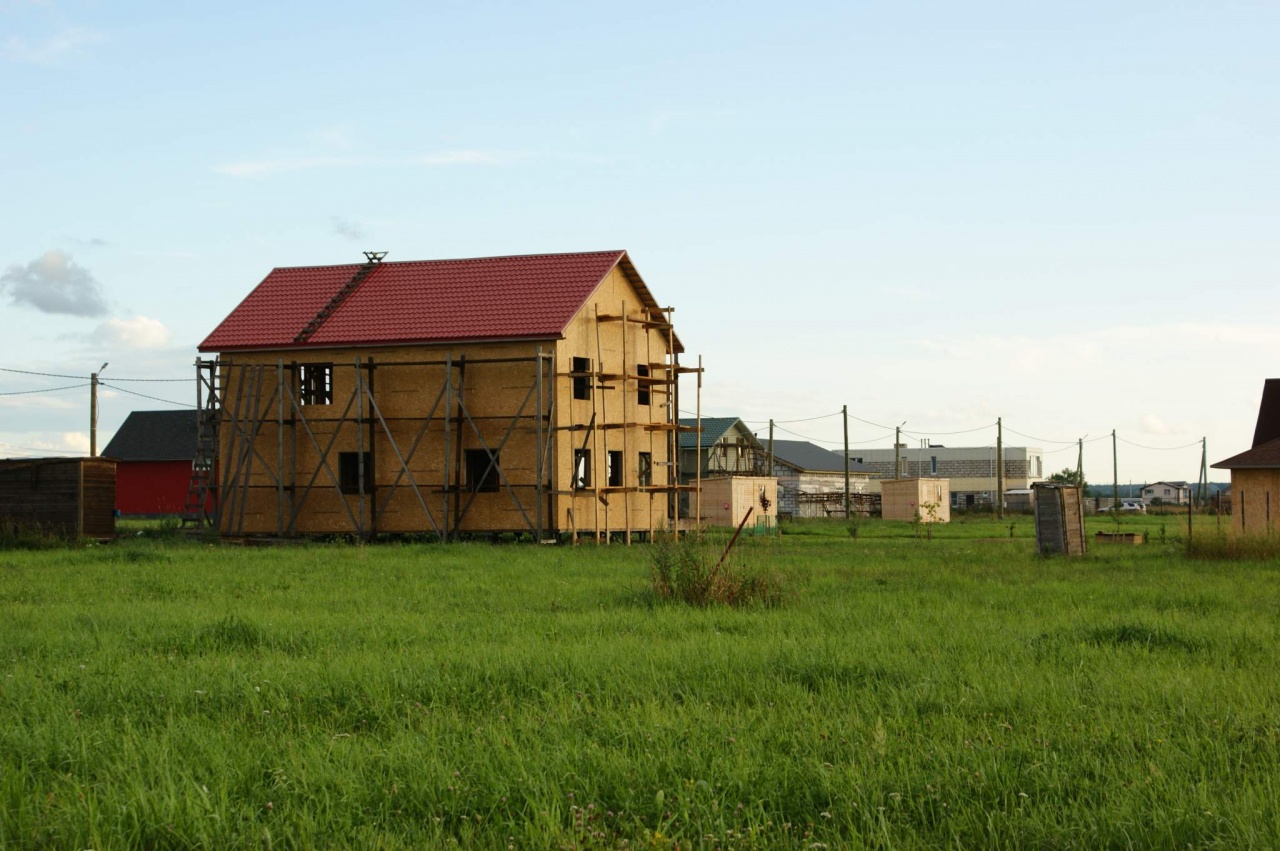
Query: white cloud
139,332
27,444
53,283
266,167
50,50
1151,424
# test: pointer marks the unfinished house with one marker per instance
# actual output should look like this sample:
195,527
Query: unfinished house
1255,473
531,394
724,447
811,481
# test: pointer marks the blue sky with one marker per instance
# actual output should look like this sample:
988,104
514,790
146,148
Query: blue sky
939,213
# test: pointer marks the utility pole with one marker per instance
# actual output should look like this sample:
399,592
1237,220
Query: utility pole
999,468
1115,474
771,447
93,411
1204,471
845,409
1080,464
897,452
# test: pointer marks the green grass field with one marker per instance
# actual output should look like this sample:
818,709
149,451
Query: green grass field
956,692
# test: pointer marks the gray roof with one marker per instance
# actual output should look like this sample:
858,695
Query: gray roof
155,436
811,458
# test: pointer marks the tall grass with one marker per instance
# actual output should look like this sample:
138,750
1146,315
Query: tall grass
960,692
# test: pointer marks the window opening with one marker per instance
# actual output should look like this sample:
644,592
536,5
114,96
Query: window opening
349,472
581,468
481,477
615,468
644,470
582,378
315,383
642,387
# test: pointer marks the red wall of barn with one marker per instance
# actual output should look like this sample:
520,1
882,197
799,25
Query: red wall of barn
152,487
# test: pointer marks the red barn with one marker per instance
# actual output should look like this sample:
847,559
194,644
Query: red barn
154,450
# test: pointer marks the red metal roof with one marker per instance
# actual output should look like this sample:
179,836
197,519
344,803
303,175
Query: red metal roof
426,301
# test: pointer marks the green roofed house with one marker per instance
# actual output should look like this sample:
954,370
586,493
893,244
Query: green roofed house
726,447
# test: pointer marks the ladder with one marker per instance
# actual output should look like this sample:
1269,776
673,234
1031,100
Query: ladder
195,510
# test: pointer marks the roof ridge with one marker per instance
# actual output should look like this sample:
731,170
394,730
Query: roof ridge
619,252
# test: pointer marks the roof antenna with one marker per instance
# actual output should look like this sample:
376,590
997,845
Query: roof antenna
374,256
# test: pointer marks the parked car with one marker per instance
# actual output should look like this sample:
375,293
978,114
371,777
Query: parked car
1125,505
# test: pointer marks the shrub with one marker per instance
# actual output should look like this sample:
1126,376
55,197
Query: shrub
1240,547
689,571
27,536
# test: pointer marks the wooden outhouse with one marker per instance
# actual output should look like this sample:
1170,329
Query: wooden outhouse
67,497
1059,517
533,394
726,500
920,499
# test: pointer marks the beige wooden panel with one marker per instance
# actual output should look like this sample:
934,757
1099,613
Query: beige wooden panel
902,499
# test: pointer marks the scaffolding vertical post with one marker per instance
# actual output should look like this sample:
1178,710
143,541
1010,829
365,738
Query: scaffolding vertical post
358,391
460,396
280,447
537,441
697,437
602,435
673,403
444,460
373,449
626,430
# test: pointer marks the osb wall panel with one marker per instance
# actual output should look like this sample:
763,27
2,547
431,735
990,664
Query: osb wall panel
405,394
725,500
902,499
614,348
1255,502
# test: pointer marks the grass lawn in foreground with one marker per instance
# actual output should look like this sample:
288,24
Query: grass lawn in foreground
909,693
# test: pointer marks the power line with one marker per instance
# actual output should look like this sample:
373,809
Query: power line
46,449
45,374
43,390
803,420
60,375
145,396
806,437
1040,439
1159,448
945,433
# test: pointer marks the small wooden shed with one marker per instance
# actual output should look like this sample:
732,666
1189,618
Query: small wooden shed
909,499
725,500
1059,519
69,497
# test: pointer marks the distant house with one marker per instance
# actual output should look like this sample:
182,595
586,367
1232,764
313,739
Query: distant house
970,469
1166,493
726,447
811,479
153,451
1255,473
